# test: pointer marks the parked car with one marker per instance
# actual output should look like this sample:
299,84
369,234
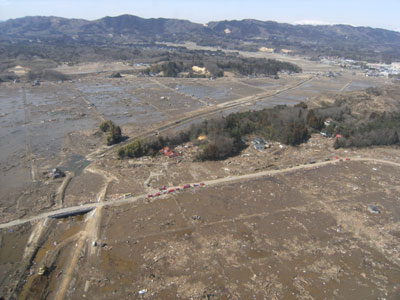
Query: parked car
163,188
186,186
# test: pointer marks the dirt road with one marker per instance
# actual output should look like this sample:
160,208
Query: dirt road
228,179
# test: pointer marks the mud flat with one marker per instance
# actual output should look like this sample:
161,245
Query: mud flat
295,235
300,234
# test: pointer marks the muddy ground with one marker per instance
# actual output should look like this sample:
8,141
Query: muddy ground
298,234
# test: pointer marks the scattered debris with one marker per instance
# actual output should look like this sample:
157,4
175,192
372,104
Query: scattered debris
373,209
56,173
142,292
116,75
106,247
167,151
42,270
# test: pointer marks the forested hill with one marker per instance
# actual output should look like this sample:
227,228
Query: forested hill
333,40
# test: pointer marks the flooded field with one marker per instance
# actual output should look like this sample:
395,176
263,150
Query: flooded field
43,125
275,237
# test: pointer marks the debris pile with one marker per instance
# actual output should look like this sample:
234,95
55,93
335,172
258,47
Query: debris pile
167,151
56,173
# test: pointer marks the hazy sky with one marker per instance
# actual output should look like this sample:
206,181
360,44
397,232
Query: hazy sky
374,13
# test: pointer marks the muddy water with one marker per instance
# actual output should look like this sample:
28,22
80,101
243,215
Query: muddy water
204,92
76,164
116,101
12,127
34,122
359,85
54,113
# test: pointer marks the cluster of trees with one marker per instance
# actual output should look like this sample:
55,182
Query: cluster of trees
114,135
288,125
358,129
49,75
152,146
168,69
217,64
257,66
379,129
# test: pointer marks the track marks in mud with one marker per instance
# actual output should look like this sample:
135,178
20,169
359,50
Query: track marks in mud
176,92
27,122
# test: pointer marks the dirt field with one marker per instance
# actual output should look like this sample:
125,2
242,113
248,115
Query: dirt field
296,235
267,224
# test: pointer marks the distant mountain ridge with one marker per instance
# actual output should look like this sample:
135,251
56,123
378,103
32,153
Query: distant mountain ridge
248,34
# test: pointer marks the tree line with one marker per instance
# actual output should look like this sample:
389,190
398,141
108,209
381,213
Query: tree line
216,65
225,136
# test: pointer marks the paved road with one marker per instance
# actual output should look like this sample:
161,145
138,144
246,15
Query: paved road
207,183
